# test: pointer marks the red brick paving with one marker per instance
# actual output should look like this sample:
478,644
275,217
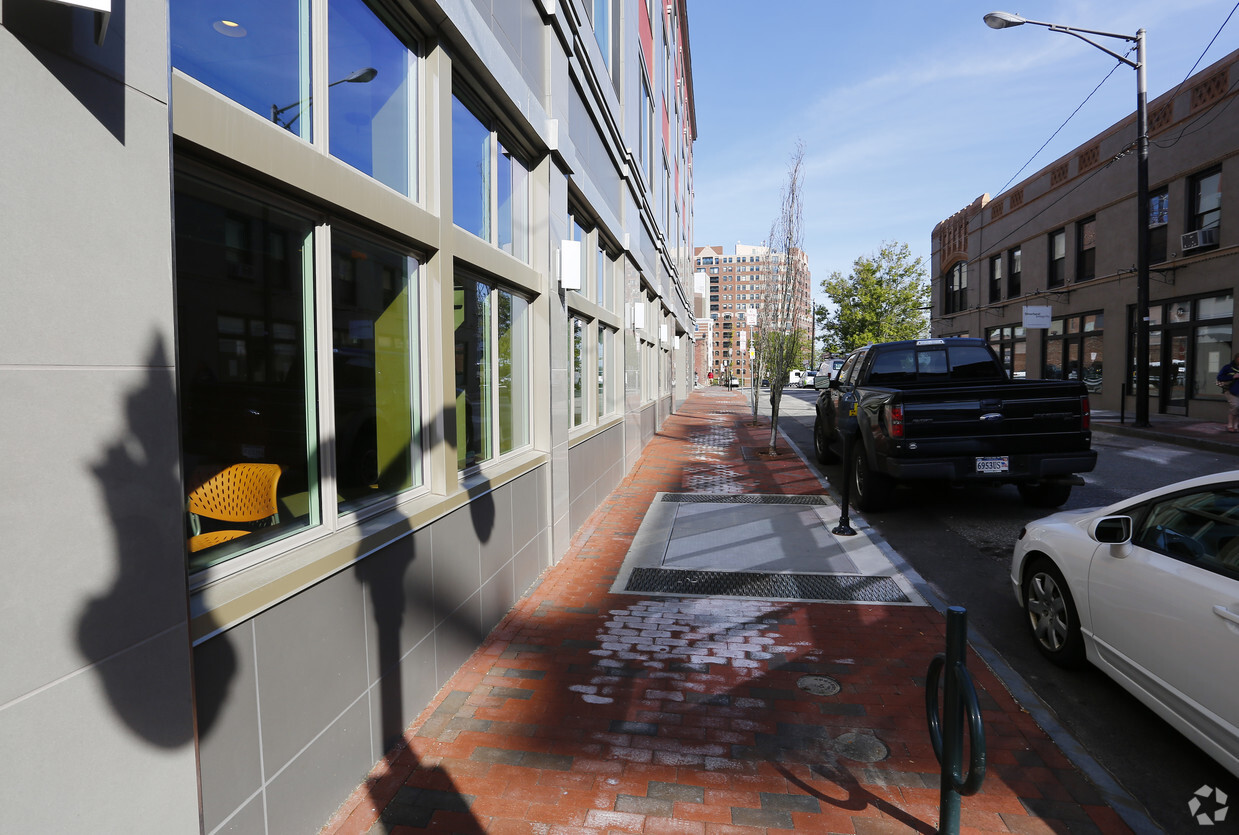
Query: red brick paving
592,712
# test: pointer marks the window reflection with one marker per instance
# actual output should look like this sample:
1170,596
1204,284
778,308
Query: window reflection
513,384
470,172
257,54
373,357
370,95
242,281
473,372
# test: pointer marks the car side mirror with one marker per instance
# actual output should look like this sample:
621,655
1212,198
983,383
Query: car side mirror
1112,530
821,381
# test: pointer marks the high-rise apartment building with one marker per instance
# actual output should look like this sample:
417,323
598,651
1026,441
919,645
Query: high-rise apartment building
749,290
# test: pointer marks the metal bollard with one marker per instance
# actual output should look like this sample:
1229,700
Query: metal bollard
947,734
844,528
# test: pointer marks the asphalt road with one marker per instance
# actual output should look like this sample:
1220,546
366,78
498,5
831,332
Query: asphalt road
959,540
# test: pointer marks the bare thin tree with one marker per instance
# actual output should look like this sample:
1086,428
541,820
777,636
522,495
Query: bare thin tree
781,339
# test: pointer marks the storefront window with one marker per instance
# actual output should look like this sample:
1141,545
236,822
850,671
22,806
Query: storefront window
244,291
513,383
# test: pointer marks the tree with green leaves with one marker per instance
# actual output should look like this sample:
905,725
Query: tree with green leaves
884,298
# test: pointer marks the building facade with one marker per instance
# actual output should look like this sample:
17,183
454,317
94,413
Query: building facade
1061,247
329,322
748,290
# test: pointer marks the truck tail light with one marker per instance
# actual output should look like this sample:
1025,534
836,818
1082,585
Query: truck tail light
894,419
1085,413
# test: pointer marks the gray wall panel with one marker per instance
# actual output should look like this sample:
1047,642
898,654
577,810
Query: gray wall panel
227,705
311,665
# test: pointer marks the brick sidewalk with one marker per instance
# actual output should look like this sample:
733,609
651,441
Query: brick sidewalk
592,712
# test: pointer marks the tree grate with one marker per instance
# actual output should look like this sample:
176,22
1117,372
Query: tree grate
744,498
855,588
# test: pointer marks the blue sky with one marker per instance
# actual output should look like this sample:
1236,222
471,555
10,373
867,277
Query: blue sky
909,110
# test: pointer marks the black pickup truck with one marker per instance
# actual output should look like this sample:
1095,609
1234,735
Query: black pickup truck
945,409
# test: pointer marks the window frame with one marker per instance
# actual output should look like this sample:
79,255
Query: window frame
326,517
1056,261
1086,248
1208,218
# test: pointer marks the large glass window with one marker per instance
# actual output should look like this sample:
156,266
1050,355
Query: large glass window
245,325
1073,350
259,57
1010,343
471,173
513,383
578,372
604,401
490,186
995,278
492,371
374,357
371,80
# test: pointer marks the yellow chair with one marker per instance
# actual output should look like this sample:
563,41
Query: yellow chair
239,493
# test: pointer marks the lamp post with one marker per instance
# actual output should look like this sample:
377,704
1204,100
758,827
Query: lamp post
1005,20
361,76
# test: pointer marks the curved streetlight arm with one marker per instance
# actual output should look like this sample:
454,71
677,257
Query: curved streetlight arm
1053,27
1006,20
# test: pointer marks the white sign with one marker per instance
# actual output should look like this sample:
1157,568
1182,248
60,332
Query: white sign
96,5
1037,316
750,317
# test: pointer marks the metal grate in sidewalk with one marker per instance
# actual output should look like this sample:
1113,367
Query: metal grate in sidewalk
850,588
746,498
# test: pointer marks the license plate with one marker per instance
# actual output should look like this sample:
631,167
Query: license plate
995,464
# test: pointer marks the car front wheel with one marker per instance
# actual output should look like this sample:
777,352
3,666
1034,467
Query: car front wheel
1052,617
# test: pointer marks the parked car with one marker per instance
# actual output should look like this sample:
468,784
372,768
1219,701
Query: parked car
1148,591
733,382
806,379
793,378
944,409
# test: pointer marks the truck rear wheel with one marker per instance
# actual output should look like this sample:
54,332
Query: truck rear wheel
821,446
870,491
1045,494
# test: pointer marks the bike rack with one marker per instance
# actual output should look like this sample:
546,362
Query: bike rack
947,733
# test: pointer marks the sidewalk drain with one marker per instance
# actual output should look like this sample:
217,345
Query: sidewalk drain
819,685
855,588
746,498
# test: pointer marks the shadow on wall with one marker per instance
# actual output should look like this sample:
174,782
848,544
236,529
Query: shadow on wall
45,28
139,480
399,598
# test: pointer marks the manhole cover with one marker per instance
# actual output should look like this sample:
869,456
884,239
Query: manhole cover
819,685
864,748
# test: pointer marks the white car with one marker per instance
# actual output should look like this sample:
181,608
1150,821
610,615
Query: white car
1148,591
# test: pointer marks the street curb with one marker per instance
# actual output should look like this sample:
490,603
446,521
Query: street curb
1126,806
1206,444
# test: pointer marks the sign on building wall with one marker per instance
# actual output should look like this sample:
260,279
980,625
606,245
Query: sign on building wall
1037,316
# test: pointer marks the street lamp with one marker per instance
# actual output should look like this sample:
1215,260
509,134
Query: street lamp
1005,20
361,76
